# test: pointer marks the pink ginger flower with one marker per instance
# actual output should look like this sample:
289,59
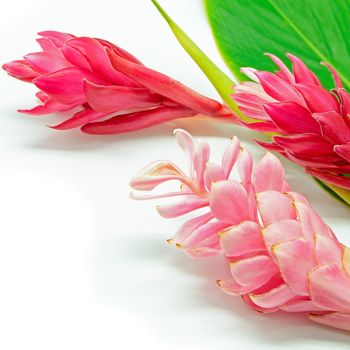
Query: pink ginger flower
312,123
108,90
198,234
281,255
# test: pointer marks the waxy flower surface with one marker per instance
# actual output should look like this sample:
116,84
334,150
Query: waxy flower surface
108,90
282,256
312,124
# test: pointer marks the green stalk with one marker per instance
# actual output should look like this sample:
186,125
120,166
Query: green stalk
222,83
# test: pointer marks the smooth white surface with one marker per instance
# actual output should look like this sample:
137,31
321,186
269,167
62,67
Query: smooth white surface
81,265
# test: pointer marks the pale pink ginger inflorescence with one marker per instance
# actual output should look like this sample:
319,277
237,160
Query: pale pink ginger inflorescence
282,256
107,90
312,123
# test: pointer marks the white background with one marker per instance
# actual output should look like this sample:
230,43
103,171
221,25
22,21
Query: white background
81,265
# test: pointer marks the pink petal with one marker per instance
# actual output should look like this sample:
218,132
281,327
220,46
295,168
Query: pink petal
292,118
328,250
268,174
280,232
246,298
338,180
317,98
42,96
49,106
323,162
252,88
79,119
48,46
302,74
187,144
288,76
99,61
329,288
229,202
156,173
274,206
144,197
203,252
301,306
251,105
248,100
58,38
269,146
333,127
311,222
213,173
44,62
190,226
334,319
245,168
253,272
65,85
165,86
278,88
343,151
20,69
119,51
335,75
250,73
75,57
295,260
200,159
297,197
242,239
184,206
230,287
305,144
230,156
254,113
203,233
274,297
109,99
136,121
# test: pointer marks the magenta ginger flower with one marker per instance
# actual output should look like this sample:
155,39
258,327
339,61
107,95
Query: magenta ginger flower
282,256
312,123
113,91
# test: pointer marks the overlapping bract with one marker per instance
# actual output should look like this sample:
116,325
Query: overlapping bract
113,91
312,123
282,256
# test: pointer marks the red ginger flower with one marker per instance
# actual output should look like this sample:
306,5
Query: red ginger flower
103,80
282,256
313,124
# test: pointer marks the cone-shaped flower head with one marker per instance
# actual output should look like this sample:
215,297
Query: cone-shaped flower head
112,90
312,123
282,256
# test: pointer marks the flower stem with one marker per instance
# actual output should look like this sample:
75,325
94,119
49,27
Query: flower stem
222,83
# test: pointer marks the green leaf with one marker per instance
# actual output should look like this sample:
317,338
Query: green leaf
314,30
219,79
328,188
337,192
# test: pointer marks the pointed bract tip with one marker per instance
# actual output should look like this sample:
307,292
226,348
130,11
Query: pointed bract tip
170,241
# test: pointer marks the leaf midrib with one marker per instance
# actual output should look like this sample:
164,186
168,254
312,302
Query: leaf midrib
307,41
